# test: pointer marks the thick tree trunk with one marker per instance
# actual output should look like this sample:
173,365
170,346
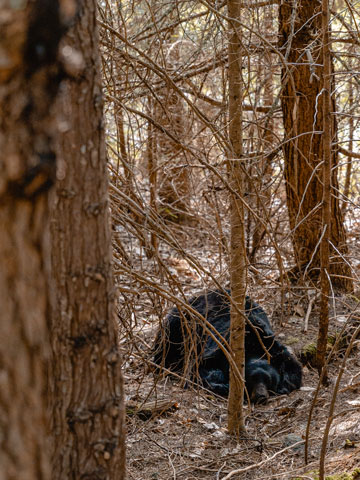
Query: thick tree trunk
29,78
238,251
174,190
174,181
302,104
261,171
86,382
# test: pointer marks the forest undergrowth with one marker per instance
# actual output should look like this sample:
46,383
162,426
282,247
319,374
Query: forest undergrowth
189,439
168,95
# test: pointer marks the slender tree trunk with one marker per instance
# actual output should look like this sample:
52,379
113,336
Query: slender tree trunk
302,105
350,147
152,175
86,382
122,151
238,250
352,63
29,79
326,203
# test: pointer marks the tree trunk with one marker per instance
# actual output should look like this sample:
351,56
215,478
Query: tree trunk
326,203
261,171
152,175
29,78
351,127
174,177
238,250
86,382
302,105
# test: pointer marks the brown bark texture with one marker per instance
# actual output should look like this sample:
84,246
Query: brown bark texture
326,204
152,173
174,182
237,250
29,79
261,172
86,381
302,105
174,190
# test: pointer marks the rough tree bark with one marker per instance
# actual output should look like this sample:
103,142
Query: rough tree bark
86,382
238,250
302,105
326,203
29,79
261,171
152,173
173,179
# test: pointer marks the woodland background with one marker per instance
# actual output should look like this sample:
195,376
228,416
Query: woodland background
229,132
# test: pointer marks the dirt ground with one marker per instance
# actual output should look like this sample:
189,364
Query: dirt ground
190,441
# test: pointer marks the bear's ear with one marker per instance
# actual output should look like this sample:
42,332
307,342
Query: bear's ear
290,351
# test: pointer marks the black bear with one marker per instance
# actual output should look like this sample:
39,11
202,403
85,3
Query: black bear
184,345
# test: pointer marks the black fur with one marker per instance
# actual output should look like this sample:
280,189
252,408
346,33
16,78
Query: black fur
183,345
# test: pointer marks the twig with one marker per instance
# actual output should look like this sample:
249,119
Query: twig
311,303
260,464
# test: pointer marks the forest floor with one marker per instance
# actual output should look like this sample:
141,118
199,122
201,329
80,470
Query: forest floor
190,441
